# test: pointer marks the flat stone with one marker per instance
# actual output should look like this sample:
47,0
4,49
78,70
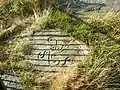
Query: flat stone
11,82
85,7
53,50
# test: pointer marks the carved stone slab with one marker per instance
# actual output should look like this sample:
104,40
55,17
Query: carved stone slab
52,50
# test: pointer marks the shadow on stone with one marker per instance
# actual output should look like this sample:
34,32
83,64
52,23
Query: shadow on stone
2,86
10,82
81,5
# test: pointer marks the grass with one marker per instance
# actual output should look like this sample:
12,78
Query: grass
101,69
16,23
98,71
18,50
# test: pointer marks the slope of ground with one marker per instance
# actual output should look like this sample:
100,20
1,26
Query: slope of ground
99,71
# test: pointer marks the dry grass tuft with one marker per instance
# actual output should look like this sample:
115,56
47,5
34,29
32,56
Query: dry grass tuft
3,64
15,46
100,70
61,82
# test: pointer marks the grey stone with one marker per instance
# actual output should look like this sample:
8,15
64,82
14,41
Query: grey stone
53,50
85,7
11,81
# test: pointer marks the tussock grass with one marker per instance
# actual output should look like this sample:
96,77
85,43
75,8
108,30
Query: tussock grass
41,19
18,47
109,24
17,21
10,9
61,82
100,70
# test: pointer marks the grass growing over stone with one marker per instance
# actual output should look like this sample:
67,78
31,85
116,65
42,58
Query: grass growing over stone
19,18
100,70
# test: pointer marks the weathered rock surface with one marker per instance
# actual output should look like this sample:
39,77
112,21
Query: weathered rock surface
85,7
53,50
10,81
